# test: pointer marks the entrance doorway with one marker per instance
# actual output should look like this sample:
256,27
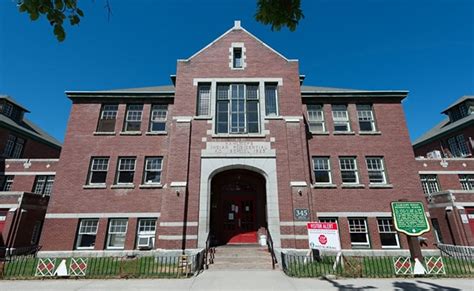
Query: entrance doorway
238,204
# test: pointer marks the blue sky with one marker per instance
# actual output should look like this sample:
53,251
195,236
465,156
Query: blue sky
425,46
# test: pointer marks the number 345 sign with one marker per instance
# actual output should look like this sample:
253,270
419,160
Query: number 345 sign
323,236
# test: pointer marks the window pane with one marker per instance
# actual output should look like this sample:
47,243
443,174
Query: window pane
340,118
107,118
134,117
117,233
87,233
204,99
366,117
271,100
222,116
321,170
316,118
158,118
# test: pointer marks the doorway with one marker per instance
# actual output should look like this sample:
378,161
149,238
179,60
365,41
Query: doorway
238,207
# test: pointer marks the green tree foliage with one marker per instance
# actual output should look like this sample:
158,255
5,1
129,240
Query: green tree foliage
277,13
56,11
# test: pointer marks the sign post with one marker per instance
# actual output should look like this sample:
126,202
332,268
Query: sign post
410,218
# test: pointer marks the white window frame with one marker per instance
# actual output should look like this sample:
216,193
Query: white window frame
204,100
92,170
327,169
110,232
108,112
233,47
10,144
467,181
43,184
120,165
160,170
365,113
381,162
354,169
7,186
429,183
316,117
158,114
81,231
146,232
387,228
358,226
340,116
134,114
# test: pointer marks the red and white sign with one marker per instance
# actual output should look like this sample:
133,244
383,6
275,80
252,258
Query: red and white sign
323,236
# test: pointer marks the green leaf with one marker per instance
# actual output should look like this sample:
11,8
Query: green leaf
74,19
59,4
34,15
22,8
79,11
59,32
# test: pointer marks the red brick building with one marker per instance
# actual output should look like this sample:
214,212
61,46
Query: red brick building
235,148
28,160
446,168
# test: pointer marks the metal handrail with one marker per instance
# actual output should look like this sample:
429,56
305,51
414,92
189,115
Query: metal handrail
208,252
270,249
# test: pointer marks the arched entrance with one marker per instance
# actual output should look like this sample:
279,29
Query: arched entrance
238,207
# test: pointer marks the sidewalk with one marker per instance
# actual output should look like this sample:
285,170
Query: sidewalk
241,280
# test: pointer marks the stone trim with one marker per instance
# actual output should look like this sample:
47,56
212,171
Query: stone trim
178,184
30,173
178,223
103,215
177,237
354,214
265,166
298,184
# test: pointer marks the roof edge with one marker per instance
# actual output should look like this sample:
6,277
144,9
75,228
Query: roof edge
430,139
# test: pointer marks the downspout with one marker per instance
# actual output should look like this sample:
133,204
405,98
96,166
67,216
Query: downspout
186,191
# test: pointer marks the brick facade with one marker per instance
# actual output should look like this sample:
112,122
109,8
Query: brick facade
193,153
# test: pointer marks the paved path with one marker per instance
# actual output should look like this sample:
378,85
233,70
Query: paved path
241,280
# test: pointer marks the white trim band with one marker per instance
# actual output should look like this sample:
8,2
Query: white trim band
178,223
30,173
103,215
176,237
178,184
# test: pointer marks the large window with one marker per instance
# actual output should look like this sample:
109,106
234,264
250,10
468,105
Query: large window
158,118
358,232
388,234
133,118
429,183
376,169
13,147
6,182
98,171
86,234
458,146
153,170
349,173
204,100
340,118
271,99
316,118
365,115
467,182
108,116
126,170
43,185
146,233
322,170
237,108
117,233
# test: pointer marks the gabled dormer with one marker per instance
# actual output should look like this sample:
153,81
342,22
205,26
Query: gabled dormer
11,109
460,109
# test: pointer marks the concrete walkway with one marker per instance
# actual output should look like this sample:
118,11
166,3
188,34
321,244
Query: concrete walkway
241,280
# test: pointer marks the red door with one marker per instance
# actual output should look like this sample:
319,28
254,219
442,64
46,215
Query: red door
239,219
470,217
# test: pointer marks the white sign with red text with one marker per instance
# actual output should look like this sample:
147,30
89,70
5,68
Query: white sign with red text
323,236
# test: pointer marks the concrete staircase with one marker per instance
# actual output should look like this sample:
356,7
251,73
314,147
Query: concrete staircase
241,257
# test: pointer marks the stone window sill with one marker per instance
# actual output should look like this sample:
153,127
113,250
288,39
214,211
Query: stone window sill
344,133
321,185
94,186
319,133
150,186
130,133
370,133
238,135
123,186
353,186
104,133
156,133
382,186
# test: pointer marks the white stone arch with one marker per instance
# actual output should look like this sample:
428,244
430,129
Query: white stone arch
264,166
